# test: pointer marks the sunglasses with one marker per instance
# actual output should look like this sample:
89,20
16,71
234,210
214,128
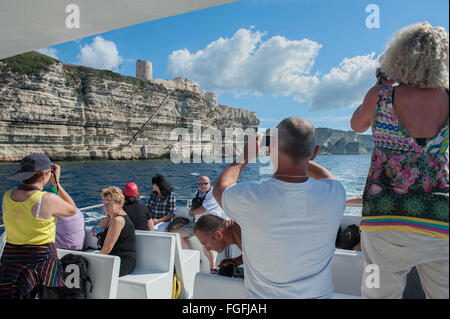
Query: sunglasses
202,184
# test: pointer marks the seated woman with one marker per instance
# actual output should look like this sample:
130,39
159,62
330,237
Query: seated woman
139,213
162,202
70,231
118,237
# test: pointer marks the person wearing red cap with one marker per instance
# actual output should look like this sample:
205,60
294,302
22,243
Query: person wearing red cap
139,213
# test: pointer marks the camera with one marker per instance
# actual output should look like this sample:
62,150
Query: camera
227,270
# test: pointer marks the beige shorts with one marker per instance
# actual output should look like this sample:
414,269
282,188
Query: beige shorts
389,257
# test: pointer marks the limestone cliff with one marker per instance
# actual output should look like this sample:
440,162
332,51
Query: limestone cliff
75,113
342,142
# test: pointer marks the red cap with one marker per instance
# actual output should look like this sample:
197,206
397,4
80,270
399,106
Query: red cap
130,190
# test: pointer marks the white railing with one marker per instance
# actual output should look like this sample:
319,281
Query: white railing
188,204
95,207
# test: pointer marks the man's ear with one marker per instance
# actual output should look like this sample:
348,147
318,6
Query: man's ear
316,151
218,235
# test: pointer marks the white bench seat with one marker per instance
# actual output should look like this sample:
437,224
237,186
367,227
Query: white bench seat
143,284
187,263
209,286
153,276
346,275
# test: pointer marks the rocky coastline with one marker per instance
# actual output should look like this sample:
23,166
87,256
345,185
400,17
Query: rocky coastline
72,112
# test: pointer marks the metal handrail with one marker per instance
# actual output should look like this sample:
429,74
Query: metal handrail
85,209
90,207
187,199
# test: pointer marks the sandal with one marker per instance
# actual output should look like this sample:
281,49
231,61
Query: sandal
213,271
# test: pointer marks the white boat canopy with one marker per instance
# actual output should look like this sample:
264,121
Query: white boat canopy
27,25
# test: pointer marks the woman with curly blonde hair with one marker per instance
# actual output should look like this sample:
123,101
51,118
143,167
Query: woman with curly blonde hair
405,200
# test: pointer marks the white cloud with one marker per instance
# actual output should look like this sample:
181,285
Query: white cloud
101,54
49,51
345,85
247,64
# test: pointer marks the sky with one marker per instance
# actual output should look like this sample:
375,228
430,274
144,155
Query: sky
314,59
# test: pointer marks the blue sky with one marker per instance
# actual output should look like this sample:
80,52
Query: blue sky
309,58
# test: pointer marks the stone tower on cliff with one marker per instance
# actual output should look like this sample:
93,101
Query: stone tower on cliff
144,70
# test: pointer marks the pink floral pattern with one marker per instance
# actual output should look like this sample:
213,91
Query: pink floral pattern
404,178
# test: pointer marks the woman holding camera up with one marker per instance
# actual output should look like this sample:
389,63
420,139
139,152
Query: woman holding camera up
405,201
29,264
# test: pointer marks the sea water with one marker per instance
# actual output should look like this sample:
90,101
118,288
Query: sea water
84,180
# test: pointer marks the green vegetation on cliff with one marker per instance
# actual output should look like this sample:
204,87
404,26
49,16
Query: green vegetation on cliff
29,62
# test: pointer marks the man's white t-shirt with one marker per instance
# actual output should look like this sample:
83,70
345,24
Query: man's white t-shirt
211,206
288,235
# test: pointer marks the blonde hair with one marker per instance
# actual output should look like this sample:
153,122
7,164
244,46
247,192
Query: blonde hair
114,193
417,56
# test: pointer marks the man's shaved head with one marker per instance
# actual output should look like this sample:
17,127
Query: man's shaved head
204,179
296,138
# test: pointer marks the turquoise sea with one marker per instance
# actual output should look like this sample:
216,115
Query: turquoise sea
85,180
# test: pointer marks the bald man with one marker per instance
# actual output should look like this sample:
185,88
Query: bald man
290,221
204,204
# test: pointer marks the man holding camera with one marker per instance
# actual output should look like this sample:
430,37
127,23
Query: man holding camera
203,202
290,221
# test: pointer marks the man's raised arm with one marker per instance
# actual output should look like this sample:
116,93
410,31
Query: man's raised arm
228,177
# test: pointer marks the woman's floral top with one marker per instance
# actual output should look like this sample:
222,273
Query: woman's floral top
407,184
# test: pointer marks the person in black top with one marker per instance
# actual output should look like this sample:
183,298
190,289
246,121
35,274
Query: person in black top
138,213
118,237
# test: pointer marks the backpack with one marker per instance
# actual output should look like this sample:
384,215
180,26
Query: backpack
75,277
350,237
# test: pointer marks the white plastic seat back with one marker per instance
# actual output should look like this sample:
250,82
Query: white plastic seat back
104,273
154,252
346,272
183,212
187,265
152,278
208,286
